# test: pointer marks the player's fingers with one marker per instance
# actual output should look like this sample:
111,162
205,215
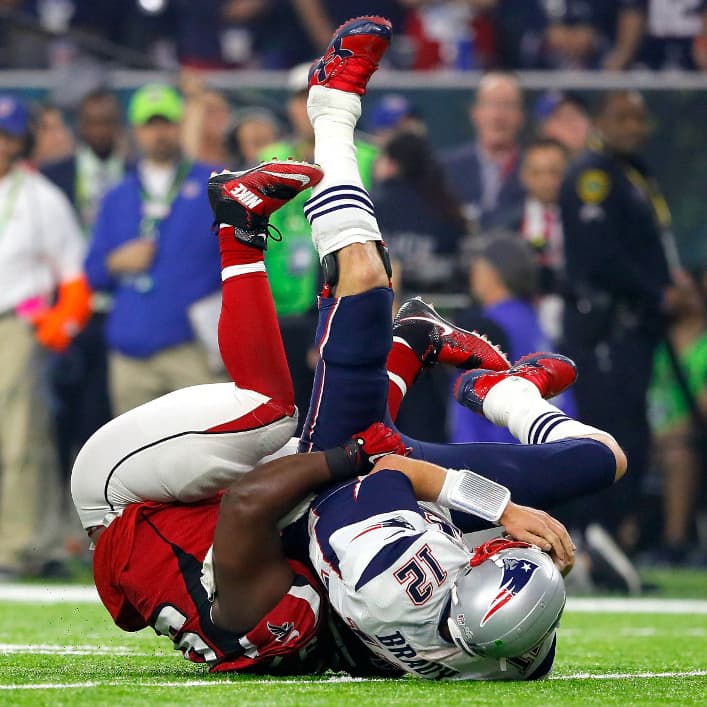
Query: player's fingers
550,537
562,535
529,537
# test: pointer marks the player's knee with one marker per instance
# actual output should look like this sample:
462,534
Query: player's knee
619,455
360,269
621,461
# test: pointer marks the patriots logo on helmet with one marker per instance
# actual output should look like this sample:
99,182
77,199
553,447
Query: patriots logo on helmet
516,575
284,633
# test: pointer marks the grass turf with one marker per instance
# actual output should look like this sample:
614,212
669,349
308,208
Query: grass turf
603,659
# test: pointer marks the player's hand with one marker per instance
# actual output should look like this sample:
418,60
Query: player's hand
365,448
135,256
541,529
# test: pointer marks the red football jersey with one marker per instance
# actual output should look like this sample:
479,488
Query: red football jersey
147,568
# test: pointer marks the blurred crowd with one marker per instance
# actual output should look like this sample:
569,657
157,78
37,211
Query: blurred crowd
560,239
430,34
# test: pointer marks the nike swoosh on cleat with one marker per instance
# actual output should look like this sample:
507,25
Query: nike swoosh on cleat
446,329
302,178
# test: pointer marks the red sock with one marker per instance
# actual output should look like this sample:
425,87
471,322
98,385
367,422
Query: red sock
233,252
405,366
248,331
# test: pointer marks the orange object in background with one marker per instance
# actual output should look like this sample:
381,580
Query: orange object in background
58,325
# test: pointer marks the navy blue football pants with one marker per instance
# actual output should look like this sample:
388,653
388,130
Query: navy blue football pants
354,336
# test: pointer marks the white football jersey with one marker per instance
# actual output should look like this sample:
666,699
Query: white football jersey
389,577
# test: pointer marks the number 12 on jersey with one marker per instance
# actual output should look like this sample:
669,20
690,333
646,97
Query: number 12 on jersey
415,574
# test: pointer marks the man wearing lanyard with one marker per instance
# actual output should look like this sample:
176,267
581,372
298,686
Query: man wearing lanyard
80,375
150,248
41,252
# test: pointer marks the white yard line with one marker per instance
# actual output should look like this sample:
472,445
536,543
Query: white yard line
51,649
337,679
73,594
602,605
48,594
629,676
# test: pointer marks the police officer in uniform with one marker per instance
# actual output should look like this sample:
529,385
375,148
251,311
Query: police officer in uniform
619,257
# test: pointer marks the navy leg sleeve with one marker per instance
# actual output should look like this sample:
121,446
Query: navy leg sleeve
350,392
538,475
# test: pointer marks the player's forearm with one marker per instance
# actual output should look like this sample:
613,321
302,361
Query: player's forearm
273,489
460,490
426,479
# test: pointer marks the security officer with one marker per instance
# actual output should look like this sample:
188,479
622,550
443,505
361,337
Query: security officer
619,256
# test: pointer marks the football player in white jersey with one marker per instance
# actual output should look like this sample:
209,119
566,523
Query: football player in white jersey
397,571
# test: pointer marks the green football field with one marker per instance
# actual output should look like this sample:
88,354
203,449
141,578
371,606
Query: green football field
59,647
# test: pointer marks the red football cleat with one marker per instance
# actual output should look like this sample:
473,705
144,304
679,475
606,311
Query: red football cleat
352,55
435,340
246,200
550,373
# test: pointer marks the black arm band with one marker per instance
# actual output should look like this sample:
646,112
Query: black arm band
341,465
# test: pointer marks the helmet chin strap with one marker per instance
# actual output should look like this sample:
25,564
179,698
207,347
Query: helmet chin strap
493,547
458,639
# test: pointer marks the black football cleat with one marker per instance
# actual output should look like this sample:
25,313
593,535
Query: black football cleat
436,340
246,200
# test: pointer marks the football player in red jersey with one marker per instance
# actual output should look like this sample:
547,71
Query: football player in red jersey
147,486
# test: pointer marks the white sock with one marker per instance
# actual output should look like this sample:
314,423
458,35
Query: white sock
516,403
339,210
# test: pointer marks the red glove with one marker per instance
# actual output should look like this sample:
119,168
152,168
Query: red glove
363,450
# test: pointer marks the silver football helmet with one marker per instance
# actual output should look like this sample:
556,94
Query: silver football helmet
507,601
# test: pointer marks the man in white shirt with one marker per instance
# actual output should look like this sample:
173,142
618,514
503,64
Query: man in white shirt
41,253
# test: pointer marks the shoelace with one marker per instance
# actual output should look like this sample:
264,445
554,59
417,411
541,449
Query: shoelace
269,235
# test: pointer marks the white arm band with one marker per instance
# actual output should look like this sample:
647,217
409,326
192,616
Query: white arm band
469,492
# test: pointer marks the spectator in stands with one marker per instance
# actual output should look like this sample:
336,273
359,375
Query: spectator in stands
41,251
420,217
52,137
320,18
152,249
678,415
519,27
20,47
578,34
80,374
660,34
207,120
503,279
543,167
217,34
253,131
393,113
484,173
99,160
563,117
450,35
221,34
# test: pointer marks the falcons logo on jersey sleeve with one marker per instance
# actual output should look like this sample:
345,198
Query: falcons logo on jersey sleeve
516,575
285,632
